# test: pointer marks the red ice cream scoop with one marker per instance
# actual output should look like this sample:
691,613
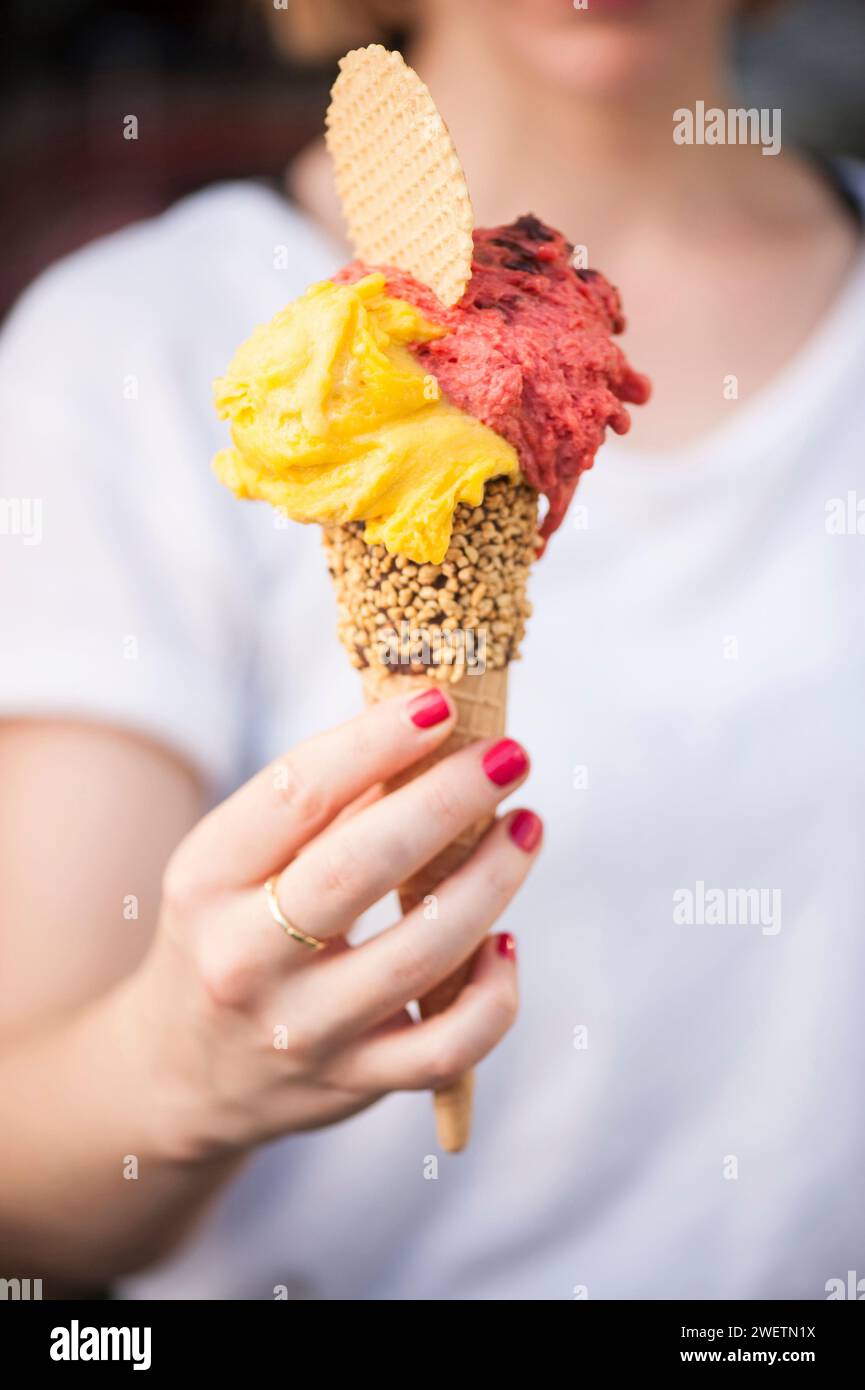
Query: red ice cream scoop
530,353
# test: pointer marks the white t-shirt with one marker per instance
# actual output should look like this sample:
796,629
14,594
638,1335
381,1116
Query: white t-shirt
679,1109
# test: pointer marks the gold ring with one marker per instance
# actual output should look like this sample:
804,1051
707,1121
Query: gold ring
281,920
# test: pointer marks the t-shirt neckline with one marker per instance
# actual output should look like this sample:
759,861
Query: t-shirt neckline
781,407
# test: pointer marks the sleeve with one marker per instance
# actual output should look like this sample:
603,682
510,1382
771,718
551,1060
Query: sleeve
126,594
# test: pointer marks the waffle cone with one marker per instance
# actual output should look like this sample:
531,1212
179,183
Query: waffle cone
487,567
481,706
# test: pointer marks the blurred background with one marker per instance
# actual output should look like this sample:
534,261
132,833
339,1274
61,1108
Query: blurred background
215,101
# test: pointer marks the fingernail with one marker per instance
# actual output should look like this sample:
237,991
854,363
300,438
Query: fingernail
506,946
505,762
428,708
526,830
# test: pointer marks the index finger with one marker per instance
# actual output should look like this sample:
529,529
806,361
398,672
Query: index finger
262,825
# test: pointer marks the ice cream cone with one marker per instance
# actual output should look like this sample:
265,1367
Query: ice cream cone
497,539
446,363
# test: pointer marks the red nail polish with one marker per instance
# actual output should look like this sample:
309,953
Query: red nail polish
526,830
428,708
505,762
506,946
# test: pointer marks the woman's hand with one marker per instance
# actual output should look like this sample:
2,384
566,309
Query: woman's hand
252,1034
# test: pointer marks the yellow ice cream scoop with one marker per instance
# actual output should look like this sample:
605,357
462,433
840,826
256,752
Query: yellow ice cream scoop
333,420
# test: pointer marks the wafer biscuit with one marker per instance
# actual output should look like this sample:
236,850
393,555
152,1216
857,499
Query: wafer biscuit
398,176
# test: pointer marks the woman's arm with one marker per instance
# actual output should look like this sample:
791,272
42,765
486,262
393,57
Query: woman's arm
88,819
133,1081
89,1189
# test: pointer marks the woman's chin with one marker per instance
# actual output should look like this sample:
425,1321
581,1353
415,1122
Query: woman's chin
614,64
